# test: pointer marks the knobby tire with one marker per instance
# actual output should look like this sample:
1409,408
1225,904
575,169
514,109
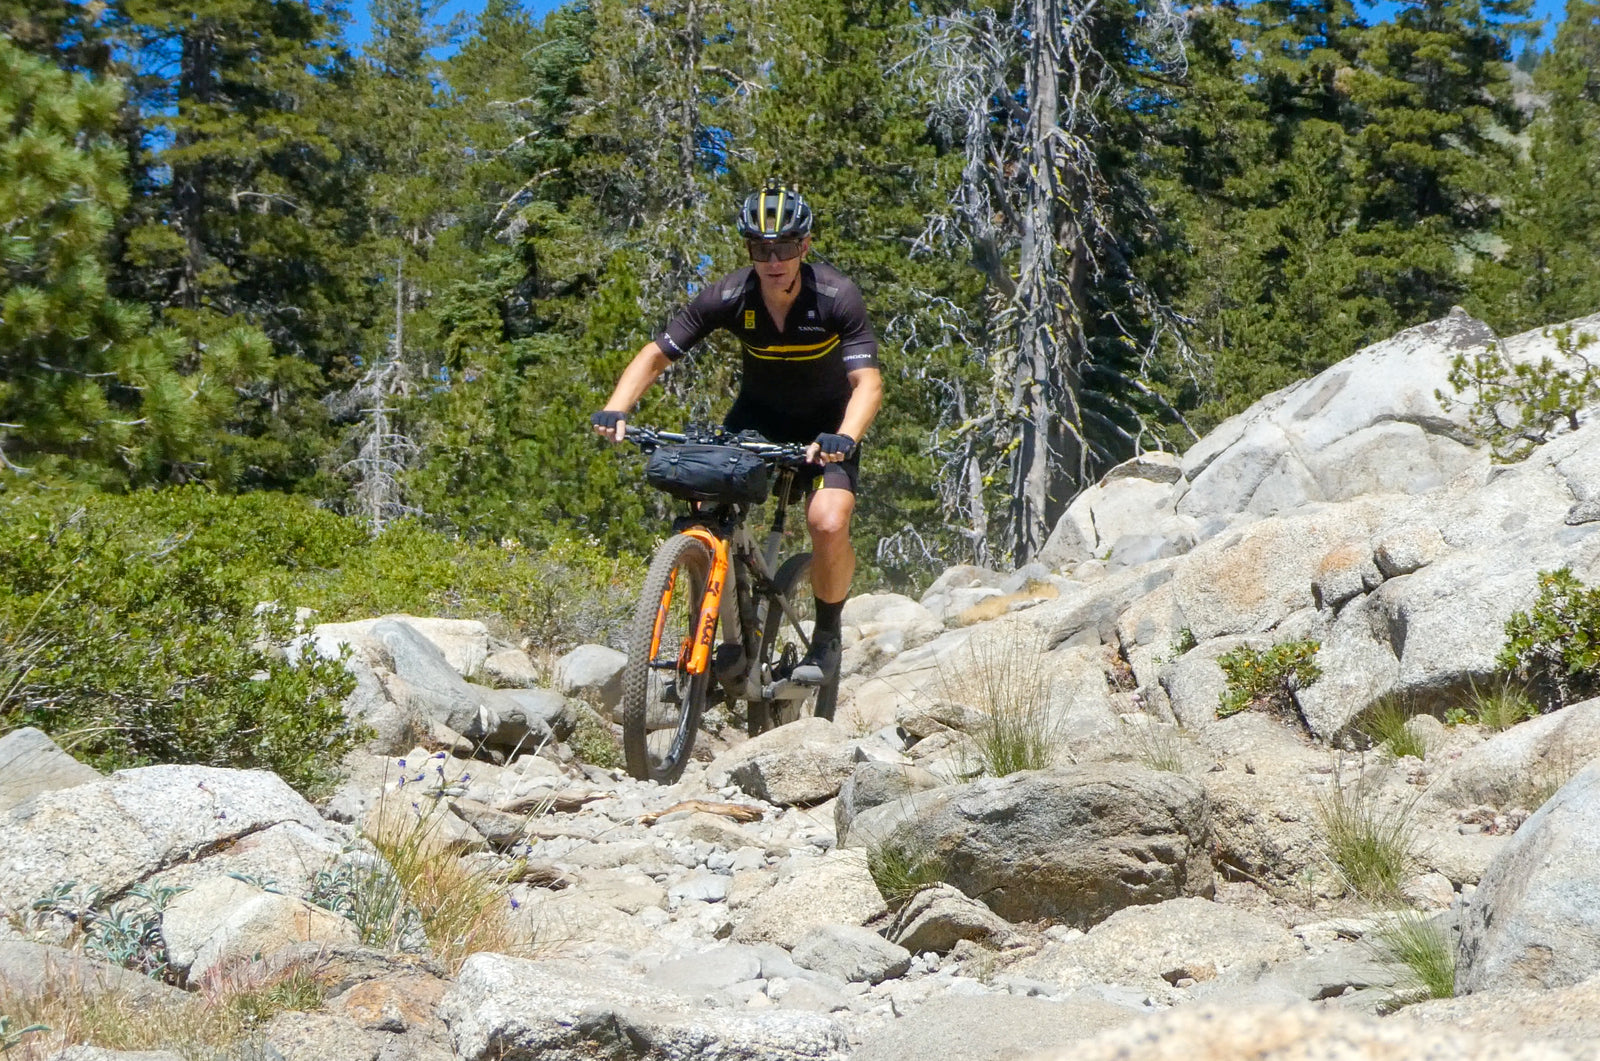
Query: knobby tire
648,757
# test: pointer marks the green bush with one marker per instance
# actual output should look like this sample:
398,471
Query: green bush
1517,406
131,649
131,626
1269,679
1555,646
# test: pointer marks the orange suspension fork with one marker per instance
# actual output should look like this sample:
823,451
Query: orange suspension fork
710,605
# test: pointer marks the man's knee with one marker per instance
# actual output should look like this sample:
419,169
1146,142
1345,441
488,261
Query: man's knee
829,514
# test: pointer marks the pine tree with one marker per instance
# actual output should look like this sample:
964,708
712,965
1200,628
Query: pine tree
87,388
1547,272
244,212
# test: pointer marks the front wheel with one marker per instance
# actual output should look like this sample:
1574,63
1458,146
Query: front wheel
661,700
784,641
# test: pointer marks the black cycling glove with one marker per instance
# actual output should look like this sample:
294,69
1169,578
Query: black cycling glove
841,445
607,419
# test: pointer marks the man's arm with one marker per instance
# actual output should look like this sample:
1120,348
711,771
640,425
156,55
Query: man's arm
866,398
645,368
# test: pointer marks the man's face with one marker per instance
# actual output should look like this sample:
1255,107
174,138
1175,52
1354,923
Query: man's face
778,269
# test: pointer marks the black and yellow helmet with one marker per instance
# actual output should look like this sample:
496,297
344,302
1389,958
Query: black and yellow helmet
777,211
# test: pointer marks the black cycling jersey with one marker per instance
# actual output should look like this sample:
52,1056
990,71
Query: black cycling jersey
795,382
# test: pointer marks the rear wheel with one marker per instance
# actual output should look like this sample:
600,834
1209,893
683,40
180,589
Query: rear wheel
784,641
661,700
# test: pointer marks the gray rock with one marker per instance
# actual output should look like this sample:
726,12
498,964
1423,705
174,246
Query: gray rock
1358,666
1533,921
872,784
318,1037
30,969
928,717
1369,424
510,668
1525,763
1408,549
1346,571
700,887
1570,1014
423,681
30,763
1152,947
159,816
1583,512
712,970
804,762
1337,969
1298,1033
223,919
594,673
989,1028
835,889
896,609
1072,844
939,917
853,954
511,1009
525,716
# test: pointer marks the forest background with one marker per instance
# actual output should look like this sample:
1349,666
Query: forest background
243,253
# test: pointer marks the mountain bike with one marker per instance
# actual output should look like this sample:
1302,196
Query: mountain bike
710,572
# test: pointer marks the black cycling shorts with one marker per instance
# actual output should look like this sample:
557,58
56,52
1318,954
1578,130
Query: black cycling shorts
841,475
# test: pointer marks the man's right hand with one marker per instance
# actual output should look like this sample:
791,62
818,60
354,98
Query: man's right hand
610,424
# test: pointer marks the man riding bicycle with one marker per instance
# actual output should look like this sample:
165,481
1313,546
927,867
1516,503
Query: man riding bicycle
810,375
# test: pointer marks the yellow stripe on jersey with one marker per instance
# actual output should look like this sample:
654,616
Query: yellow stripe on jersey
808,352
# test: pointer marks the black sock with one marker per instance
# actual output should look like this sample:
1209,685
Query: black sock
828,616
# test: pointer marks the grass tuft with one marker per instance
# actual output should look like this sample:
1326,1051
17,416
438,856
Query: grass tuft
1387,725
1156,745
593,742
999,674
900,871
459,908
217,1021
1424,949
1372,848
1501,705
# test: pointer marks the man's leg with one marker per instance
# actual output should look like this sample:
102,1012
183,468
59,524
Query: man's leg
833,562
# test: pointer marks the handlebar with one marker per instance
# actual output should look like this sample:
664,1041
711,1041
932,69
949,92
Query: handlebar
648,438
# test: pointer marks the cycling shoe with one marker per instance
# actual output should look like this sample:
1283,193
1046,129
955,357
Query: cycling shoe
820,665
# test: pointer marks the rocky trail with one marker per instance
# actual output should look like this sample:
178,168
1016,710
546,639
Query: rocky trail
483,886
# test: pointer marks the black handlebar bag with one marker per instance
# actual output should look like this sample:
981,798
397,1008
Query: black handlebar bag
723,475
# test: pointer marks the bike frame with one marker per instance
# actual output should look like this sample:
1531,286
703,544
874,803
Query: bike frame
737,553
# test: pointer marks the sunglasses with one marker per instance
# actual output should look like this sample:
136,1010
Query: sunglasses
783,250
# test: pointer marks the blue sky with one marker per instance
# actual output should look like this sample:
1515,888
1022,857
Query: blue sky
360,24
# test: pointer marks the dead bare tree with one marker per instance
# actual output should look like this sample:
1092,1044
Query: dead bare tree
383,451
1023,93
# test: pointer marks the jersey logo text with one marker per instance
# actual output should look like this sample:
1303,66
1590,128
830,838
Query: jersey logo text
749,319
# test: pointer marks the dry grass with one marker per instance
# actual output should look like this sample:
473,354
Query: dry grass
461,909
1156,745
218,1020
998,672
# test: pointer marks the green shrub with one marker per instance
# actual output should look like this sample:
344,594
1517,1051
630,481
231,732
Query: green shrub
593,742
1517,406
1269,679
130,649
131,629
1386,725
1555,647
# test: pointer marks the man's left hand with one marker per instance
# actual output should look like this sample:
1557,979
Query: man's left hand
830,449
